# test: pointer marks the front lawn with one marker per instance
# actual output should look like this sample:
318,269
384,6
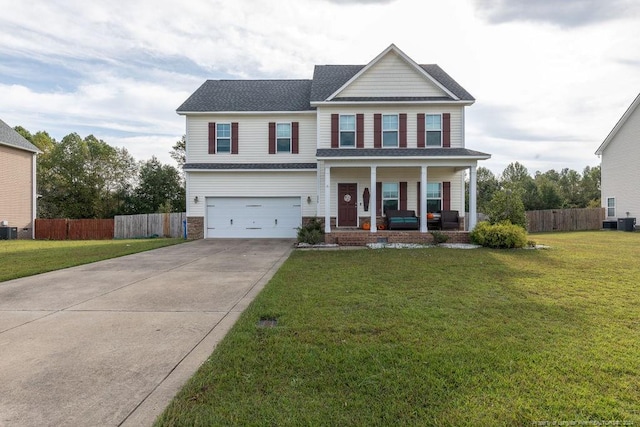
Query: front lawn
434,337
20,258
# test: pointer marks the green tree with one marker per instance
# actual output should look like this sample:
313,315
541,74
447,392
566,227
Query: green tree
516,178
179,151
506,205
83,178
159,190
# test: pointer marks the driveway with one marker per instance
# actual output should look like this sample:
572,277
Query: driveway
110,343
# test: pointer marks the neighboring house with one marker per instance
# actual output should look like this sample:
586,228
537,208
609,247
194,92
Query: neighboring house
620,156
17,182
263,156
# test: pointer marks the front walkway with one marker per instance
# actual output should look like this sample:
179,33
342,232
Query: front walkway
110,343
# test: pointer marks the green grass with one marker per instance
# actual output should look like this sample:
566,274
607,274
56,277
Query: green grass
20,258
434,337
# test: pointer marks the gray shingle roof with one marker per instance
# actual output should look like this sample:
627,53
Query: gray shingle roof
249,95
399,152
296,95
329,78
249,166
8,136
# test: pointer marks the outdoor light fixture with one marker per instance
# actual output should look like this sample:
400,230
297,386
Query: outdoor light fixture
195,199
309,199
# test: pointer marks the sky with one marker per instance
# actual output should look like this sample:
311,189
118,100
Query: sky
551,78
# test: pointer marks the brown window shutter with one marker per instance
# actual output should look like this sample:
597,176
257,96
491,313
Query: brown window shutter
359,130
212,138
378,199
335,131
420,140
403,130
446,196
234,138
377,130
418,199
403,195
446,130
294,138
272,138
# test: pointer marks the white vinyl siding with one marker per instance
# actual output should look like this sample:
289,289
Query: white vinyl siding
324,122
253,138
619,168
251,184
392,76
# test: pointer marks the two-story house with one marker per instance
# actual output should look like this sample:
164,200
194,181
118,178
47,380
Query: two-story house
265,155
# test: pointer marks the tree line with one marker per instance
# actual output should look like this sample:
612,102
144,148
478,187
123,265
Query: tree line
544,190
88,178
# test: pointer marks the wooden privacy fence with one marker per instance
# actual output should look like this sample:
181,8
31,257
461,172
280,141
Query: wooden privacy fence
146,225
74,229
565,220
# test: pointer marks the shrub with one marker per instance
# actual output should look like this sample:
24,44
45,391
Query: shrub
501,236
439,237
312,232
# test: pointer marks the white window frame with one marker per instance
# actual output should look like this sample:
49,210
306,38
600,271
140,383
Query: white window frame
223,138
283,138
341,131
395,130
611,207
427,198
427,130
384,199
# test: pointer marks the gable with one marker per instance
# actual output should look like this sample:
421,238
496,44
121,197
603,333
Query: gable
627,128
392,76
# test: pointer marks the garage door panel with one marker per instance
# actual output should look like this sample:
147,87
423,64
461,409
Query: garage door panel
253,217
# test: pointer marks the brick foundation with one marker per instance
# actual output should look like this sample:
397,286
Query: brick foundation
195,227
362,238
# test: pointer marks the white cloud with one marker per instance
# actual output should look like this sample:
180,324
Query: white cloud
550,79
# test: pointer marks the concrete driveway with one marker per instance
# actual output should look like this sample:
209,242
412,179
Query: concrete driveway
110,343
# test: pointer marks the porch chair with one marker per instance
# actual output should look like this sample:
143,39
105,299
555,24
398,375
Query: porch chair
449,220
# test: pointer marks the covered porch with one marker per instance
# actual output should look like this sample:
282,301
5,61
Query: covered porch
359,186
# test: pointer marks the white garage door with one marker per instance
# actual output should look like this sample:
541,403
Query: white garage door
239,217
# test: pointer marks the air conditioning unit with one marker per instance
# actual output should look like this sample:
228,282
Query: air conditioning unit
8,233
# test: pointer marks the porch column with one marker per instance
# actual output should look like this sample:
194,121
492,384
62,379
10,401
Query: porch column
327,199
423,199
372,200
472,198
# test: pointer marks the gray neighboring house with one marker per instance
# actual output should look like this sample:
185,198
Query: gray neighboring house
620,156
17,182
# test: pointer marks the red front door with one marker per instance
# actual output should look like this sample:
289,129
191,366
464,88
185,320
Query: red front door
347,205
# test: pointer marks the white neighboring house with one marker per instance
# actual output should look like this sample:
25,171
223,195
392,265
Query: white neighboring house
620,154
265,155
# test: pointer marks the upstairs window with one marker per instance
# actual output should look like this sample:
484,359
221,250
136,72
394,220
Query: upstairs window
389,131
223,138
283,137
434,196
433,127
347,131
390,196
